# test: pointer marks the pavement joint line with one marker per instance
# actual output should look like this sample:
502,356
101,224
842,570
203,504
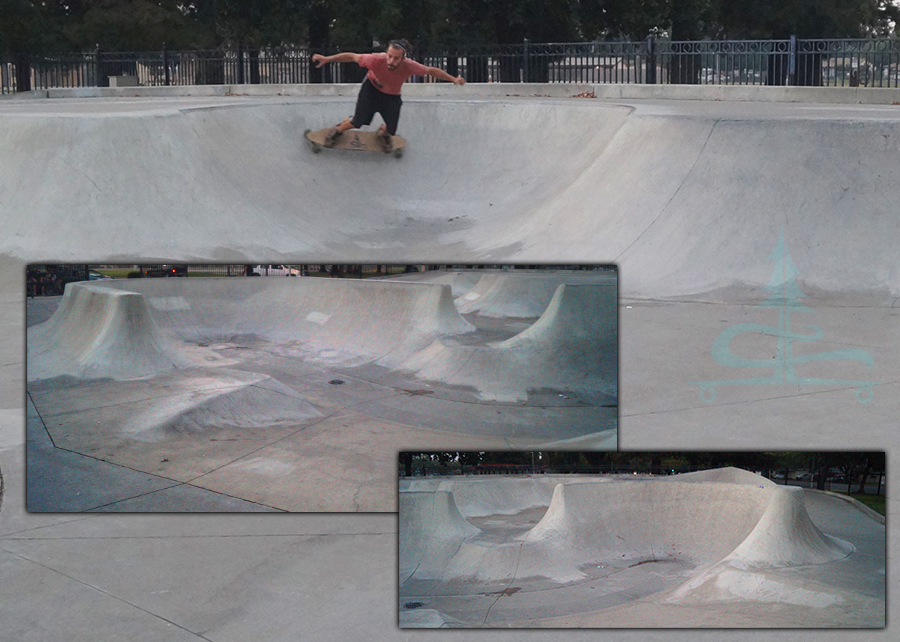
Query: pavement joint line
748,401
215,536
41,419
675,193
182,484
37,528
111,595
175,482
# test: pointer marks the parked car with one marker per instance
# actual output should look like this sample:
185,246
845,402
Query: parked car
275,270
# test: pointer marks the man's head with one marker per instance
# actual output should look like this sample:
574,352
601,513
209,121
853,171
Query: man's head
396,52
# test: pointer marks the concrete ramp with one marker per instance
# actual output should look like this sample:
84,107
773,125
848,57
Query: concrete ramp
477,498
431,528
114,329
571,347
697,523
219,163
460,282
728,475
480,496
508,294
624,540
211,401
97,332
713,218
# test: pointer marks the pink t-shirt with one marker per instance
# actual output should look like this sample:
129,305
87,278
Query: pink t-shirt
386,80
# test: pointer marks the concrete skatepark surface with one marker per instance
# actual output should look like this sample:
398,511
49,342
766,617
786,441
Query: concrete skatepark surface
687,189
258,389
605,551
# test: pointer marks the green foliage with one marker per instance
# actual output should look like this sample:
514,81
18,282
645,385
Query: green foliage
133,25
257,24
767,19
29,27
622,20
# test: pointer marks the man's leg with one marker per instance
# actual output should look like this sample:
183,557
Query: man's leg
390,111
365,111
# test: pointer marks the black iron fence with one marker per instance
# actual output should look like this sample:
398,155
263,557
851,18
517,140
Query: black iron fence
870,62
833,480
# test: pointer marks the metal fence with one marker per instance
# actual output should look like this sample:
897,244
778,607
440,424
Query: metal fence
870,62
876,481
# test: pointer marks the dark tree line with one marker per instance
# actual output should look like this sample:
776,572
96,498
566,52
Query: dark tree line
854,466
36,26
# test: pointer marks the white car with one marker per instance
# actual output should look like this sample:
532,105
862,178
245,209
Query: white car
275,270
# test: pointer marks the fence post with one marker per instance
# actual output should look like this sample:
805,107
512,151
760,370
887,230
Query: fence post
23,72
650,75
240,63
792,62
166,64
526,77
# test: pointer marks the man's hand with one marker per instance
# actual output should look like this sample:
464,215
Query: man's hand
319,59
459,80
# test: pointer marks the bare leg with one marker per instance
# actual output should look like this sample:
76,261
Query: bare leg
387,143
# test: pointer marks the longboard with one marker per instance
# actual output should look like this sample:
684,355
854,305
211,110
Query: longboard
354,139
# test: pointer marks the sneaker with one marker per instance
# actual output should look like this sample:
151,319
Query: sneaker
331,136
387,142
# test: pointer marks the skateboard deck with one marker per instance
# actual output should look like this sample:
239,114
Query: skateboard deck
355,139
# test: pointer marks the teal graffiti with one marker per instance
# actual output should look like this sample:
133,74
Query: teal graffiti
785,295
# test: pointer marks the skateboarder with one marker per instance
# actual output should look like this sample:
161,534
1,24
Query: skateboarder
380,91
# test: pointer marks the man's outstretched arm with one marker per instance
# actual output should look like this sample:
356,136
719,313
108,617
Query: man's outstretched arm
437,72
347,56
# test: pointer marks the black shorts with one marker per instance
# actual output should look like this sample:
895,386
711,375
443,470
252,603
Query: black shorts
372,101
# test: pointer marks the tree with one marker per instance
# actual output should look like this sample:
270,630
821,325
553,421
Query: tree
622,20
468,459
32,27
132,25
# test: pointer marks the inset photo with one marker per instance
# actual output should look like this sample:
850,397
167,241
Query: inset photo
642,540
293,387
